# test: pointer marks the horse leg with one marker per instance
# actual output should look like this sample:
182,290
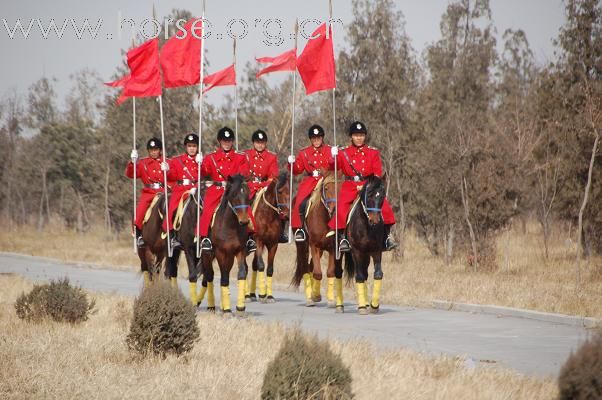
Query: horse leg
259,269
208,275
171,270
242,282
361,275
144,266
193,274
316,254
270,272
225,261
338,285
330,274
378,280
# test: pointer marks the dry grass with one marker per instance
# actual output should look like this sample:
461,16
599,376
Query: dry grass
51,360
525,279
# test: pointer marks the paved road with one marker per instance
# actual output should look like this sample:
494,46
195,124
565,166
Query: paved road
532,347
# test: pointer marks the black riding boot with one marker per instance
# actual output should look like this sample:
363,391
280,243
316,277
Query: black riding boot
139,240
251,245
389,242
283,236
344,245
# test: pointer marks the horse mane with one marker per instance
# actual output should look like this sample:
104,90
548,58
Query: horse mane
371,180
234,183
282,179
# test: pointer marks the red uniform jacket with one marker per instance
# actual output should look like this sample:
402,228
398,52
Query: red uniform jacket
183,172
263,167
149,171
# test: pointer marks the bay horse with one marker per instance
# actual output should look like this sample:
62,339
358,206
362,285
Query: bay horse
185,233
321,207
271,209
229,235
365,232
154,251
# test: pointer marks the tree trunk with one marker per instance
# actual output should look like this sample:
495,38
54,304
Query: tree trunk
473,239
107,211
41,208
449,250
582,209
402,219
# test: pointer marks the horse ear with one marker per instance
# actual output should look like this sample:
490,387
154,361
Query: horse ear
229,179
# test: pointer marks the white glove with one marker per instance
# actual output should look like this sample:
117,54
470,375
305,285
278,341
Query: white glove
164,166
291,159
334,150
199,158
134,155
192,191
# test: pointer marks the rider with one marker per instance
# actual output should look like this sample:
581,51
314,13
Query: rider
263,165
311,160
183,170
218,166
150,171
357,161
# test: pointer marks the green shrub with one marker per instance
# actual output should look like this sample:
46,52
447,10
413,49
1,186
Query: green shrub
581,375
164,322
57,300
305,367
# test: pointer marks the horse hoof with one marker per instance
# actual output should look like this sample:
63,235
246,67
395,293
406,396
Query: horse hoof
330,304
309,303
374,310
240,311
250,297
270,299
363,311
339,309
211,309
316,299
227,313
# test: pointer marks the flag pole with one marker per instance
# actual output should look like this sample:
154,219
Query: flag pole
334,134
198,203
235,100
169,249
290,186
135,177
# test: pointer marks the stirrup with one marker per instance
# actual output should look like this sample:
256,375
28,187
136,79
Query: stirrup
300,235
206,244
175,243
344,246
140,242
251,246
390,244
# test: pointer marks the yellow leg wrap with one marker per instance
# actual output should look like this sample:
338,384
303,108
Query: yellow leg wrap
174,282
253,285
261,282
226,298
365,288
376,292
210,295
338,286
146,277
201,294
315,287
269,286
361,294
330,290
193,296
240,302
307,282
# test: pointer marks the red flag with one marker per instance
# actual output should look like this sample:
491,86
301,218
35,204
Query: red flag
316,62
181,58
225,77
119,82
284,62
145,77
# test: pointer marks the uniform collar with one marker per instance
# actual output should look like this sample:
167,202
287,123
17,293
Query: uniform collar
358,148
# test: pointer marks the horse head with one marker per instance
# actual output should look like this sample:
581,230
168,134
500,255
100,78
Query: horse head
282,195
236,197
372,197
330,190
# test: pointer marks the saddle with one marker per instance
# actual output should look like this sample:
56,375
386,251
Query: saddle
149,210
311,200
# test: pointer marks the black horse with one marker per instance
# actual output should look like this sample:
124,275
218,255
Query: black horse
365,232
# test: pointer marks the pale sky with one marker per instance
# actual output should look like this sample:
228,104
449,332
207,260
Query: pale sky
26,60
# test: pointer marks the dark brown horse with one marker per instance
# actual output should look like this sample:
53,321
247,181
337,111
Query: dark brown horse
229,235
320,209
154,251
185,233
365,232
271,210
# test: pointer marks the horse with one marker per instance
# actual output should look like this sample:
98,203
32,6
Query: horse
271,207
365,232
229,235
320,209
153,253
185,225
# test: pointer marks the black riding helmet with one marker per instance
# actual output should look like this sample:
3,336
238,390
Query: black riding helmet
315,131
259,136
225,134
191,138
153,143
357,127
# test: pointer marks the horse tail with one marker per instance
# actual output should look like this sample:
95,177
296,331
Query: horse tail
301,263
349,267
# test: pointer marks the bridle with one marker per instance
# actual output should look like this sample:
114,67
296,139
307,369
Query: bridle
278,207
327,200
364,203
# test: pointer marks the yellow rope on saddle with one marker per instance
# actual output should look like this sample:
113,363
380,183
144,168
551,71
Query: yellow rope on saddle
258,196
149,210
177,220
315,196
